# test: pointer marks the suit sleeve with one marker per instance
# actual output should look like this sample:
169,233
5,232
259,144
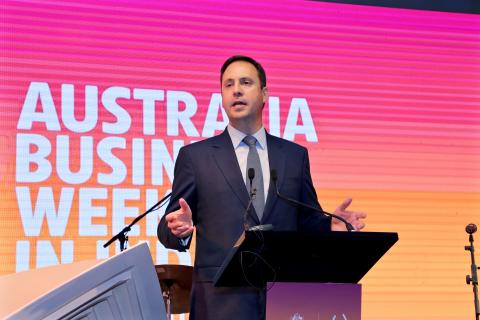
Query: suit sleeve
310,220
183,186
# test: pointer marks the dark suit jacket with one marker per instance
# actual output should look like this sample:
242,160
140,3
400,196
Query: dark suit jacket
208,177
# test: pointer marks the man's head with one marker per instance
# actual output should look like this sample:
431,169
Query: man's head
261,72
244,93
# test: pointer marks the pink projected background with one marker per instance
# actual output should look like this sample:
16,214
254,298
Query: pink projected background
97,97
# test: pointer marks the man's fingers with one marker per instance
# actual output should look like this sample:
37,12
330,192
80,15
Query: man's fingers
174,215
186,233
361,215
170,217
344,205
359,226
180,221
353,215
184,205
182,232
176,224
181,229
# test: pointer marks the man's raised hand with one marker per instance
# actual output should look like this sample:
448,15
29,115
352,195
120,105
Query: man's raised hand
355,218
180,221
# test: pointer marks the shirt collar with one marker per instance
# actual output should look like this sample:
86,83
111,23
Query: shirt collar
237,136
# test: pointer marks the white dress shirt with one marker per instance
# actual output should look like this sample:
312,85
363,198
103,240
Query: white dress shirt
241,151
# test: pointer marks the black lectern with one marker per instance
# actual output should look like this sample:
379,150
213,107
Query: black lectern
286,256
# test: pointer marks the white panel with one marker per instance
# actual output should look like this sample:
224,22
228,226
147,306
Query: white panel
122,287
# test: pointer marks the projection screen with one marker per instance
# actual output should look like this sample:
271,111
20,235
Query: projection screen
97,97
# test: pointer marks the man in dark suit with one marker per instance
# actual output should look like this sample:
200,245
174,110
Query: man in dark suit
212,186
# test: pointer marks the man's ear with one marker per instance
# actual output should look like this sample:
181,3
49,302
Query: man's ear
265,94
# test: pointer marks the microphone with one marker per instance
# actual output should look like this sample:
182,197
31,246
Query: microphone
252,193
273,175
471,228
473,278
251,175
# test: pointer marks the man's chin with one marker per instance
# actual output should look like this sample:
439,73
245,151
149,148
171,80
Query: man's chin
238,114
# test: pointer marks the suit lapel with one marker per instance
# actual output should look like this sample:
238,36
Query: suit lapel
276,160
226,160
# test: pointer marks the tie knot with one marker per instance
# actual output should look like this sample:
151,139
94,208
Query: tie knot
250,141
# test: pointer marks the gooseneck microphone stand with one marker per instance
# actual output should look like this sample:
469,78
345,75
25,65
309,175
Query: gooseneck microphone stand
122,235
473,278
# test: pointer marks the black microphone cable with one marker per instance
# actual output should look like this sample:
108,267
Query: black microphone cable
273,175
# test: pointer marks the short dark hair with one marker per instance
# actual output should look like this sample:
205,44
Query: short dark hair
261,72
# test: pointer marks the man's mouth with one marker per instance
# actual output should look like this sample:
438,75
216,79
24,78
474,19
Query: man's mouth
239,103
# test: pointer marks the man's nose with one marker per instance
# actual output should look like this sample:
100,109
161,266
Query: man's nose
237,90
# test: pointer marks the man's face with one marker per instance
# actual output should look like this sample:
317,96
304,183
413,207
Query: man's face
242,95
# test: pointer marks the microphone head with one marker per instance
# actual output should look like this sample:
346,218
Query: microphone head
251,173
273,174
471,228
